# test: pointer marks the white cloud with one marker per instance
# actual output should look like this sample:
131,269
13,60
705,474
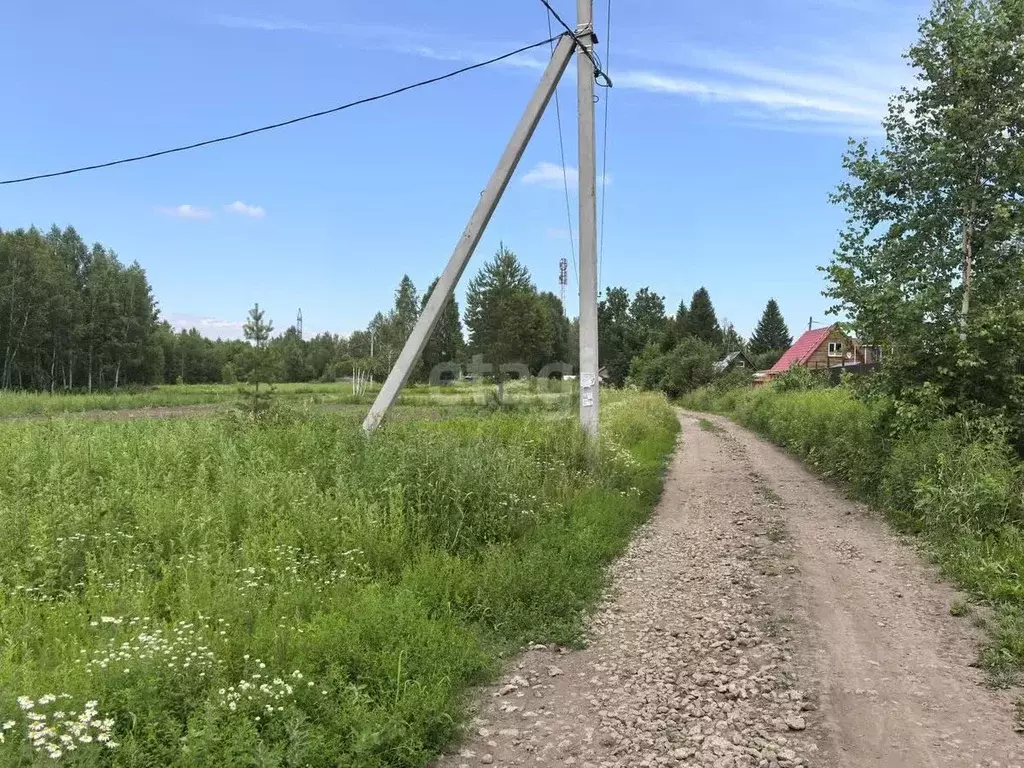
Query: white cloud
253,211
462,56
551,176
211,327
785,103
185,211
264,25
830,86
812,82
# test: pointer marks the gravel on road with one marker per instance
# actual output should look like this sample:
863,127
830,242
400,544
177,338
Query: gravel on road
758,619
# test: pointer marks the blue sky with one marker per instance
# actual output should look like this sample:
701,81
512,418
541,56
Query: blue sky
727,125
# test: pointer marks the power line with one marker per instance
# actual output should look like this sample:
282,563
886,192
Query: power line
599,75
604,151
283,123
565,176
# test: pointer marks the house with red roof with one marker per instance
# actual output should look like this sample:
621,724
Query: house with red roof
816,349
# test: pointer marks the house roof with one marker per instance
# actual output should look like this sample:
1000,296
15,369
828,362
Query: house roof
729,359
804,347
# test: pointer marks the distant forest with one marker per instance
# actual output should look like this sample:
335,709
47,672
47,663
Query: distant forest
75,317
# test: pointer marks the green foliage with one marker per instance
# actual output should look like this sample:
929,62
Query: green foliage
701,322
445,344
556,332
952,480
257,363
407,307
731,340
679,322
626,327
771,334
931,264
765,360
367,584
691,364
647,315
616,341
71,316
507,321
798,379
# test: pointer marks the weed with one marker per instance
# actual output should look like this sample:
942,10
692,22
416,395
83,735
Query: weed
952,482
710,426
223,591
776,531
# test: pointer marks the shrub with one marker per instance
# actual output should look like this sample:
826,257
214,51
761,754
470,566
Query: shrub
954,480
687,366
797,379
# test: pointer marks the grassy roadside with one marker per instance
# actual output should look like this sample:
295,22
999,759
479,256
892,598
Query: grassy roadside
200,592
955,484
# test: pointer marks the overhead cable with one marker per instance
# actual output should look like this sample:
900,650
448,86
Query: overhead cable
565,177
600,76
283,123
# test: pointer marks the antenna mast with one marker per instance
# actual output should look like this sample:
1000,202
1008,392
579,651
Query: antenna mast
563,279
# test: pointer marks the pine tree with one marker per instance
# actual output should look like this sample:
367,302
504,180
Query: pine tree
771,333
701,322
731,339
503,314
257,332
407,308
680,320
445,345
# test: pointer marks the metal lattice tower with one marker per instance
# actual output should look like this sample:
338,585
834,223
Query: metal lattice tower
563,279
298,324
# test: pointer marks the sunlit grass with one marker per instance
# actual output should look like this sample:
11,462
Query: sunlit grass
956,485
214,592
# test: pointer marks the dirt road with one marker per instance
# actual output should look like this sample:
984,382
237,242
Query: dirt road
759,619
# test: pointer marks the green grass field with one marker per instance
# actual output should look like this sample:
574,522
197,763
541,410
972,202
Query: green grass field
216,592
26,404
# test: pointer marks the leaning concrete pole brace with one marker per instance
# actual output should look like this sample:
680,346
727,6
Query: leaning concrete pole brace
589,381
471,236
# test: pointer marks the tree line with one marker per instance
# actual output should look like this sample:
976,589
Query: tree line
72,316
75,317
640,343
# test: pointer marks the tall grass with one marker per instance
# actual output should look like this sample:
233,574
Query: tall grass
954,482
550,395
172,395
205,592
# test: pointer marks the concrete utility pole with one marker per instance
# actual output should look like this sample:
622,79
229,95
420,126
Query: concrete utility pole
589,382
474,230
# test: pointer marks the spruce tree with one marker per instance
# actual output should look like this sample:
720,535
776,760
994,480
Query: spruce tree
680,320
445,344
771,333
407,308
701,321
503,314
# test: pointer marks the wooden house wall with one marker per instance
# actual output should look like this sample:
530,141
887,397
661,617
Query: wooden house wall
820,358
